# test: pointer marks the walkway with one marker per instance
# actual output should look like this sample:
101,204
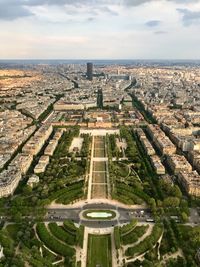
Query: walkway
98,191
99,179
90,173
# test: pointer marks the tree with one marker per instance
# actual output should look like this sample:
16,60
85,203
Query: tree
27,190
152,204
184,206
184,217
17,217
171,202
159,203
195,234
176,191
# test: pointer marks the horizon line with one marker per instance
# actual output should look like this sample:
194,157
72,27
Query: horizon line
99,59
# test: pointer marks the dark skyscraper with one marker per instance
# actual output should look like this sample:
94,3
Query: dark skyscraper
100,98
90,71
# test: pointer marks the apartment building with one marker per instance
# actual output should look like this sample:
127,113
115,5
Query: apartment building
190,181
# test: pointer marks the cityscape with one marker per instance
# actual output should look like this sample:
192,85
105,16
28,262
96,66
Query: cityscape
99,133
96,168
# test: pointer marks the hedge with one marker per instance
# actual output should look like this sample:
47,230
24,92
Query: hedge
117,237
61,234
147,244
80,235
53,243
70,196
66,190
70,227
125,229
135,234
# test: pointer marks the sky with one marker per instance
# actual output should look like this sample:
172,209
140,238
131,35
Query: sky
99,29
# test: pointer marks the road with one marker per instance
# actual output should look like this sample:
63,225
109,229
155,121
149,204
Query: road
124,215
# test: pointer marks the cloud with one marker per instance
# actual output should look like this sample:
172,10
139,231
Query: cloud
86,2
160,32
90,19
153,23
140,2
108,10
11,10
189,17
184,1
135,2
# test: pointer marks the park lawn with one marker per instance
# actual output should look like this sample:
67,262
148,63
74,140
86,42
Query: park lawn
99,152
99,147
99,166
99,251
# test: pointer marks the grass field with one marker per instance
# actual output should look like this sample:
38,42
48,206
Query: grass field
99,166
99,180
99,251
99,147
99,153
99,190
99,177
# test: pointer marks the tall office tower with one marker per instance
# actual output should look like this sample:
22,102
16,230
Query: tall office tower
90,71
100,98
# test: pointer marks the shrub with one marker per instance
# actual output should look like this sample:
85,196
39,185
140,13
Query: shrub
117,237
147,243
53,243
61,234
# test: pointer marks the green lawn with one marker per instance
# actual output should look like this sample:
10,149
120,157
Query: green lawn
99,152
99,166
99,251
99,147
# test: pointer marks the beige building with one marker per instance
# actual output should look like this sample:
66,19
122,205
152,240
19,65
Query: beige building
190,181
9,180
42,164
62,105
23,162
162,142
34,179
51,147
178,163
36,142
157,165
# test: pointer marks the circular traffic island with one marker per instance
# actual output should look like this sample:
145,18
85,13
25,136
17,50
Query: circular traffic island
99,215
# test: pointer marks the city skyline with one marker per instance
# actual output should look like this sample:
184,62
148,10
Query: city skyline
165,29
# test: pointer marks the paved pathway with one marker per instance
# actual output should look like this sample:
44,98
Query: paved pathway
168,256
141,256
114,251
84,202
83,253
90,173
147,233
84,250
